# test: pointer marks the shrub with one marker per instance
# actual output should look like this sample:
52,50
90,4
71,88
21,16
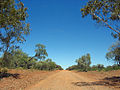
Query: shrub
3,72
20,68
110,68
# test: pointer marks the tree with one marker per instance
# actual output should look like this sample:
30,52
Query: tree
84,62
58,67
41,52
114,53
100,66
106,12
97,67
73,67
38,65
13,27
47,64
18,58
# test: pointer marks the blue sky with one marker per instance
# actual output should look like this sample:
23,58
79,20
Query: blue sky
67,36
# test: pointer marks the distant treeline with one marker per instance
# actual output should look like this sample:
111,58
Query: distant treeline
19,59
83,64
98,67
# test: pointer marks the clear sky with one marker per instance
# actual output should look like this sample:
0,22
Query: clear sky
67,36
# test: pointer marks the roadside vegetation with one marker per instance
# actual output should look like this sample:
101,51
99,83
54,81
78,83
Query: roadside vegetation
20,60
14,27
107,14
13,30
84,65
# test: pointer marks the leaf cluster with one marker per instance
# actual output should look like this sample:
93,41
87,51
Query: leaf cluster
84,62
105,12
114,53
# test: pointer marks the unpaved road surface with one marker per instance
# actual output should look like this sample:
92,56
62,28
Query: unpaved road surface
67,80
20,79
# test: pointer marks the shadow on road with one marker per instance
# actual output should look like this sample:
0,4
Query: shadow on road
5,75
113,79
108,81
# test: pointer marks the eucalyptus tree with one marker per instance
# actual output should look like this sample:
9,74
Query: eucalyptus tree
114,53
13,26
106,12
18,59
40,52
52,65
97,67
84,62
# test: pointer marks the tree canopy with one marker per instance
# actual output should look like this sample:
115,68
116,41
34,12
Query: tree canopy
114,53
40,52
106,12
13,25
84,62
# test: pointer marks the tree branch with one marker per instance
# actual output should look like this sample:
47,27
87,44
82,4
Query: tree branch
105,23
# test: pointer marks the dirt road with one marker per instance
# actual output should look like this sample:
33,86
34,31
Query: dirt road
67,80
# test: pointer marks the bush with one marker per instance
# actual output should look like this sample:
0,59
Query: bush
3,72
20,68
73,67
110,68
98,67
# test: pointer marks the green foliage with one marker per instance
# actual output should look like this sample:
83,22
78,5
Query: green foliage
106,12
110,68
1,62
84,62
13,27
114,53
47,65
97,67
74,67
19,59
40,51
3,71
19,68
58,67
51,65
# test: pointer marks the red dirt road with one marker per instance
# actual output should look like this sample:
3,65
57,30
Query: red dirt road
67,80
